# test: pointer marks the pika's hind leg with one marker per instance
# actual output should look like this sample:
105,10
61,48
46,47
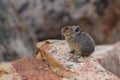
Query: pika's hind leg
72,54
76,56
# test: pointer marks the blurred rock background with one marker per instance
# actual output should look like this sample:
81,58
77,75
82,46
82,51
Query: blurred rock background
25,22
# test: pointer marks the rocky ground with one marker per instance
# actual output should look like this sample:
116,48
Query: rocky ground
25,22
52,62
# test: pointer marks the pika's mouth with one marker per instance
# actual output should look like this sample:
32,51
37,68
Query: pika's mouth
63,31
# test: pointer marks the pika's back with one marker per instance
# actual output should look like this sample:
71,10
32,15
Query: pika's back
85,43
85,39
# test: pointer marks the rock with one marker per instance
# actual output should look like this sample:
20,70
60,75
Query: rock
101,18
28,21
109,57
26,69
14,32
52,62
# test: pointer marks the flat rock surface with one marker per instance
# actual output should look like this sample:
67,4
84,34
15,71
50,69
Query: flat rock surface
27,69
85,69
52,62
109,57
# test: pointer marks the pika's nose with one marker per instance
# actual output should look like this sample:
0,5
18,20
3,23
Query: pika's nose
63,30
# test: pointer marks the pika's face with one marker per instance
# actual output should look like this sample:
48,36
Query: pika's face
71,31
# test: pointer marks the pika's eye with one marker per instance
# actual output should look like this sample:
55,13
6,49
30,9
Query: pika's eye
77,29
66,28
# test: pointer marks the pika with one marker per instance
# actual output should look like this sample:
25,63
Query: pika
80,43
